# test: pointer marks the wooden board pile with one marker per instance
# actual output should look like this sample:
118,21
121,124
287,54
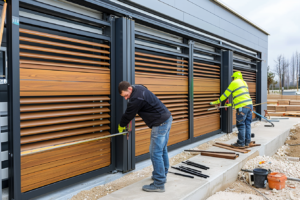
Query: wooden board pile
227,155
283,107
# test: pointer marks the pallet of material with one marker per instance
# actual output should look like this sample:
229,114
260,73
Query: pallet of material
280,108
276,113
271,108
272,102
283,102
293,108
274,96
292,114
294,102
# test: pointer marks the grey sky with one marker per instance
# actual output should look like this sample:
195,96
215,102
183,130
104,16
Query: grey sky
280,18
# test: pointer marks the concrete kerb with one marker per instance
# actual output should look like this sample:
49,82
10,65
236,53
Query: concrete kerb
222,172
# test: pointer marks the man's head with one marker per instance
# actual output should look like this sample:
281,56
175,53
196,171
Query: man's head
125,89
237,75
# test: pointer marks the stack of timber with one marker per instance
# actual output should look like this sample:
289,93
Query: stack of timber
282,107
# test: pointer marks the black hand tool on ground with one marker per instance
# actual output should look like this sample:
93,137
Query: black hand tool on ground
195,165
182,174
194,170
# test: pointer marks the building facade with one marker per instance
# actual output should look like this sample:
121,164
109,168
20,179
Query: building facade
63,59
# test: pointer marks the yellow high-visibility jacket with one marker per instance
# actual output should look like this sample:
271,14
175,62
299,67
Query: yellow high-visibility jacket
240,94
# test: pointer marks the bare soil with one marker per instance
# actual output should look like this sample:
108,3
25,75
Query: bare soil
294,138
103,190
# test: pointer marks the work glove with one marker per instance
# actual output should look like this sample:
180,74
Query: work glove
121,129
213,103
228,104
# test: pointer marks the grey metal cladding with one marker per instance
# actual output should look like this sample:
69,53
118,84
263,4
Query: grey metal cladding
162,8
212,18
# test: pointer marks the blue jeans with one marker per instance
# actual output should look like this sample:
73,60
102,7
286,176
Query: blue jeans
159,152
243,123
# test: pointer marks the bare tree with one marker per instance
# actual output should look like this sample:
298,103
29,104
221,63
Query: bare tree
286,71
293,69
297,60
279,69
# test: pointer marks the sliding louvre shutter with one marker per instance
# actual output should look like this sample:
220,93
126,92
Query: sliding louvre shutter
65,98
206,90
167,77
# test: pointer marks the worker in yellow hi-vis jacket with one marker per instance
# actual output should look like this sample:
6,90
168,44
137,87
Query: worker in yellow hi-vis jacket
242,102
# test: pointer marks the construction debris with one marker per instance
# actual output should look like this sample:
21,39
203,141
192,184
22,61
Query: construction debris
282,162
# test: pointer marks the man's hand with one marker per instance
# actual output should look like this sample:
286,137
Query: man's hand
121,129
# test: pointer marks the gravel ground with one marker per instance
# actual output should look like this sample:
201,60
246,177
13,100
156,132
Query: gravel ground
277,163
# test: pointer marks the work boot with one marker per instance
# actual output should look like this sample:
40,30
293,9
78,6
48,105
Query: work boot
153,188
238,145
247,145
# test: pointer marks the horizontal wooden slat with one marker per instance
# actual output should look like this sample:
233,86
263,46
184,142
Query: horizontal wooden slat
172,96
45,129
39,115
159,61
205,113
206,72
43,63
208,65
38,100
61,120
47,75
62,38
63,140
207,75
62,45
75,60
207,68
56,86
62,134
160,57
206,85
72,53
160,70
160,66
53,68
61,106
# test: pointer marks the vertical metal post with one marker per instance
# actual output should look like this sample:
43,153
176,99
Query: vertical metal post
258,88
191,89
132,67
125,149
112,87
226,73
13,99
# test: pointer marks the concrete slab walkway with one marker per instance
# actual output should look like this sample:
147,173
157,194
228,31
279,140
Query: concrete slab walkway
222,172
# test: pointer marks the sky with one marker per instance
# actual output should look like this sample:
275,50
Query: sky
279,18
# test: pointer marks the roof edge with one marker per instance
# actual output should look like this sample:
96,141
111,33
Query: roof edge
238,15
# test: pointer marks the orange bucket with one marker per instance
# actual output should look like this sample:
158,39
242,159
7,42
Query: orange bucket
276,180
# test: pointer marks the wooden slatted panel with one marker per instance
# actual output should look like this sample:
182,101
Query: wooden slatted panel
250,78
206,89
206,123
64,89
167,78
206,70
234,117
178,133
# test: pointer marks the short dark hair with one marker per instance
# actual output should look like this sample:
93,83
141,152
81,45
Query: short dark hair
123,86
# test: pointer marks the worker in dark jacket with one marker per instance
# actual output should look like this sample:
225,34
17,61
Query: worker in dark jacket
157,117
